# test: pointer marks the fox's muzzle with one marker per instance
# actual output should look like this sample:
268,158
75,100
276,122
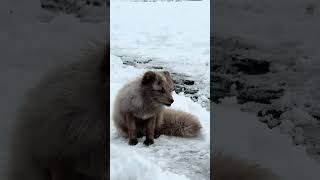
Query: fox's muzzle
170,102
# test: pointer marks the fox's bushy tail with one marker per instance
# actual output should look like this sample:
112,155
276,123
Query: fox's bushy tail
179,123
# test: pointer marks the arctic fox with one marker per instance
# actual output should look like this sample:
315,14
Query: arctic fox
139,110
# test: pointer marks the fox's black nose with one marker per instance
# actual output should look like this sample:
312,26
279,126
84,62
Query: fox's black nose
171,101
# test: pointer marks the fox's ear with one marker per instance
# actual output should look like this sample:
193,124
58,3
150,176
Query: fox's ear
166,73
148,77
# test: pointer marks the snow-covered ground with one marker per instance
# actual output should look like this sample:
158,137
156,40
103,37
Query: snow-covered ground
168,157
175,36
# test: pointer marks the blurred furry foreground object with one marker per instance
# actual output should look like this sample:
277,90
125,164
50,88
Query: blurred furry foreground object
60,132
227,167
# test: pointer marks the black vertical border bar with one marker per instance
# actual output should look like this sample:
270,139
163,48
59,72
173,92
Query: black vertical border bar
107,124
211,86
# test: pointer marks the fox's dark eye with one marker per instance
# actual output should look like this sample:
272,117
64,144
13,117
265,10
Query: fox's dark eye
162,90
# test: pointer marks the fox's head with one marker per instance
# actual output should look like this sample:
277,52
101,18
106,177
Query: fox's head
158,86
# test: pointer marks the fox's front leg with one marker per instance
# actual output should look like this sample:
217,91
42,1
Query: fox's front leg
132,129
158,124
150,131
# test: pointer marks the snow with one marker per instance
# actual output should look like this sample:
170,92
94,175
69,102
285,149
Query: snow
176,34
169,157
242,135
145,170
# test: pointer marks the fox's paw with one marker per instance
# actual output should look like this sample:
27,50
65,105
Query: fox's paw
156,135
148,142
133,142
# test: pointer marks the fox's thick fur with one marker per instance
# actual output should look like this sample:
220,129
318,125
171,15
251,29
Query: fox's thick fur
61,135
139,109
60,132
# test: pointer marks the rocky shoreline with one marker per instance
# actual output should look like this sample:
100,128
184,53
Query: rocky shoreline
184,83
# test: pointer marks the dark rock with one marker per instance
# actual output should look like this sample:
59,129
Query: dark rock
178,88
259,95
275,113
188,82
78,8
273,123
221,87
195,98
316,117
129,63
190,91
142,61
251,66
156,67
